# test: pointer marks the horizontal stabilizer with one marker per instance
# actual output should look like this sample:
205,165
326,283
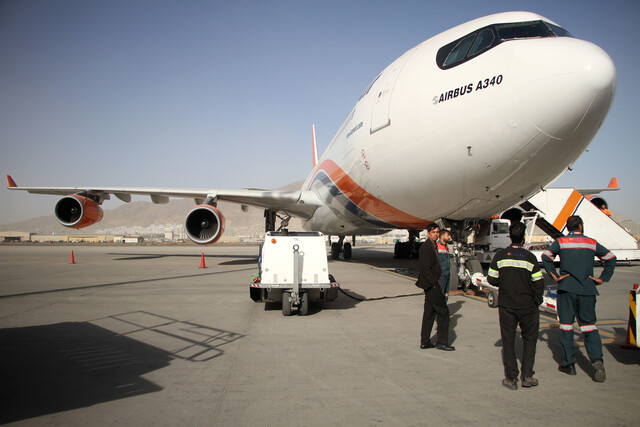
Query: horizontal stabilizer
613,186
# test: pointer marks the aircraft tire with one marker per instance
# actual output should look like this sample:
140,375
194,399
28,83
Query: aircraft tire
286,304
346,251
335,250
304,303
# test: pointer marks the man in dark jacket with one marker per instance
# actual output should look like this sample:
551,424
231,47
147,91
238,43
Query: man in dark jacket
577,292
434,302
515,271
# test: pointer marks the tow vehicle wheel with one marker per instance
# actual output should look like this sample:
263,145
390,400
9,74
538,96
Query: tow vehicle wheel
286,304
492,299
335,250
304,304
347,251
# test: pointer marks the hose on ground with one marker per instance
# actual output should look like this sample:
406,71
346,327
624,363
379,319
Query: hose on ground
378,298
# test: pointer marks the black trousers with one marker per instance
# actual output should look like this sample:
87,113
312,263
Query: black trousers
435,304
529,321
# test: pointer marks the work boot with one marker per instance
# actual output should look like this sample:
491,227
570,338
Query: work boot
445,347
529,382
599,375
569,369
510,383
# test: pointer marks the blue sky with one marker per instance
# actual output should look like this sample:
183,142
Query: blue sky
223,94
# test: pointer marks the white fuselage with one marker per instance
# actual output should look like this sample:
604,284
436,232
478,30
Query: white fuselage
424,143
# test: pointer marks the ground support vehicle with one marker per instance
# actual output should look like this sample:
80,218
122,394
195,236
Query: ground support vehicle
294,271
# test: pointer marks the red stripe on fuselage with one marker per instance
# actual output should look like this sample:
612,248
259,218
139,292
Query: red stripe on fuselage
367,202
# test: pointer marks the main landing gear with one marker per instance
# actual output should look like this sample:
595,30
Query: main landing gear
409,249
340,247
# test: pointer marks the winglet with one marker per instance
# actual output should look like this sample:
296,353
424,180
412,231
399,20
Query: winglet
613,183
10,182
315,147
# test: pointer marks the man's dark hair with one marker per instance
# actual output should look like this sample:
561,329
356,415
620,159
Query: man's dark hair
444,231
516,232
431,226
574,222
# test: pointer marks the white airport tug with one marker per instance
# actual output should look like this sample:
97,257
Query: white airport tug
293,270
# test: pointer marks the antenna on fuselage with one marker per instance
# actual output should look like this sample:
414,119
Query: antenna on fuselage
315,147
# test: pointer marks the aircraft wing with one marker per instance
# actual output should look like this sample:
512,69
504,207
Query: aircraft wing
613,186
297,203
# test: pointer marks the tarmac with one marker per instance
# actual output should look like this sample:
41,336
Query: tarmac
139,335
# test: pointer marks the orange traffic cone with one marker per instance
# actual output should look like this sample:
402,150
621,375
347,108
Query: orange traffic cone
72,260
202,261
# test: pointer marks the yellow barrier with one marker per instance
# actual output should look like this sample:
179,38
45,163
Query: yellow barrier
632,329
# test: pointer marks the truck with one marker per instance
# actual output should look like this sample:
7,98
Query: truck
293,270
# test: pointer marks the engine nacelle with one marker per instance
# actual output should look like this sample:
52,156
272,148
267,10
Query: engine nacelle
76,211
204,224
599,202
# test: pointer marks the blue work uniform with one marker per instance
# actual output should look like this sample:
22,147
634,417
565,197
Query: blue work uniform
577,292
445,267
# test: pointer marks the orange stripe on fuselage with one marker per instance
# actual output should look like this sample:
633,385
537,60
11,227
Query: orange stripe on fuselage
367,202
567,210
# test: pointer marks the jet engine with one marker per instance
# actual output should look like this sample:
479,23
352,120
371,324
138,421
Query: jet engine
204,224
599,202
75,211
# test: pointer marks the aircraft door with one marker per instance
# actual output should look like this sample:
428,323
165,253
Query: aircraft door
380,118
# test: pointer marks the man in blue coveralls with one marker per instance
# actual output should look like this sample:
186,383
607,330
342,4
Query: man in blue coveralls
445,261
577,292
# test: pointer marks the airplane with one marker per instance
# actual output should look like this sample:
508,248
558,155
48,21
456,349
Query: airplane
508,102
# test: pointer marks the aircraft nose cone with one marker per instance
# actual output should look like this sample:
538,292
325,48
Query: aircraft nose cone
569,89
597,69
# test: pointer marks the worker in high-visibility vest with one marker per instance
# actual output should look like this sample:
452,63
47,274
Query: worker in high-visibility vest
516,272
577,292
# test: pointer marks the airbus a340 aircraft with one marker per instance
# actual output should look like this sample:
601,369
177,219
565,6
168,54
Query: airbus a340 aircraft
507,101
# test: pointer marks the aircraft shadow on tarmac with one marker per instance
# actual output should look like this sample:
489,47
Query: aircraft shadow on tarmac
384,260
49,369
59,367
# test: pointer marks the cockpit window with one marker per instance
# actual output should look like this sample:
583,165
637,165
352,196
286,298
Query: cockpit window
460,51
483,42
559,31
472,45
524,30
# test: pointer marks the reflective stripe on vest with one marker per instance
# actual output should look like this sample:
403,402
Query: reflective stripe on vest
515,263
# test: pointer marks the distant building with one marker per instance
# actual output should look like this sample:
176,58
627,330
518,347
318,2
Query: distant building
14,236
